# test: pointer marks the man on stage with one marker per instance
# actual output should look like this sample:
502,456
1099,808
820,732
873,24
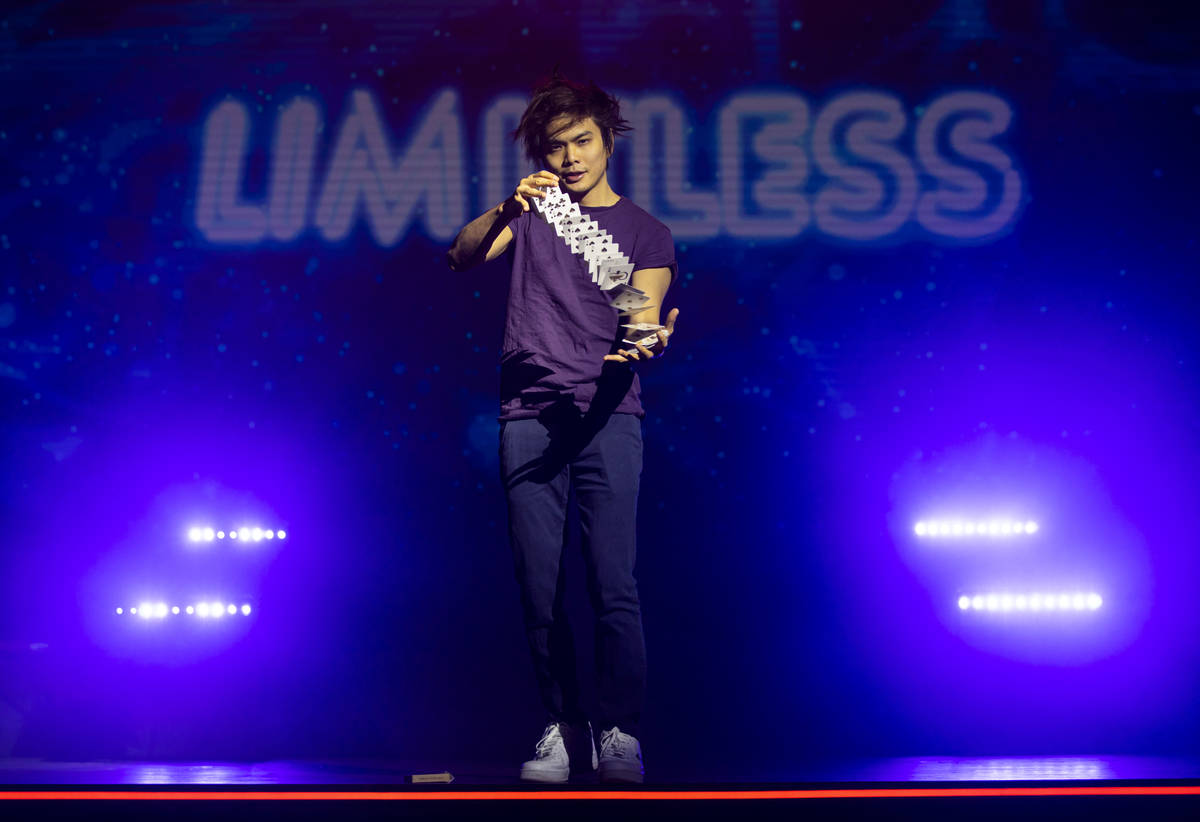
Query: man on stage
571,410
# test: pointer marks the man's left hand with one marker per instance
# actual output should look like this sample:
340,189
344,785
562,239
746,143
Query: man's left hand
643,352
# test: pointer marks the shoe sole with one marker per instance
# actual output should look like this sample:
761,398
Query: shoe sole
549,778
621,776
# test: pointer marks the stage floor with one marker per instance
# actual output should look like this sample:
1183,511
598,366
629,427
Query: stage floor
912,771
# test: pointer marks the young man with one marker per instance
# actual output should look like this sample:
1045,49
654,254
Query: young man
570,416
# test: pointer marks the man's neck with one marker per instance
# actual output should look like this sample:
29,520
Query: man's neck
601,194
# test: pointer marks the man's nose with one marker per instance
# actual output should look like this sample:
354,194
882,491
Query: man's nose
569,155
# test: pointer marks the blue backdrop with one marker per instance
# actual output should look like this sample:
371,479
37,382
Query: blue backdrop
936,261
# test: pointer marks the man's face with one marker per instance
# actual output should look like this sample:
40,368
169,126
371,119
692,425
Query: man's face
576,153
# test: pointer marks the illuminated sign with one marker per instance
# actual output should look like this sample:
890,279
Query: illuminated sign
858,169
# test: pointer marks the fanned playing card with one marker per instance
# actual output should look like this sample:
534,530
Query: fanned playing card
607,266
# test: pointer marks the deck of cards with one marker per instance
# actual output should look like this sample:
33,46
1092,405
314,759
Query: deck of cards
608,267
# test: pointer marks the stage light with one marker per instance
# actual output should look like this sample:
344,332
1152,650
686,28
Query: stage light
281,534
246,610
195,534
133,610
160,610
202,609
269,534
209,535
174,609
960,528
1008,602
190,609
231,608
256,534
145,610
120,610
243,533
233,534
220,535
216,609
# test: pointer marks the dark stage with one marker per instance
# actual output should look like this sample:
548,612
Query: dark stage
931,788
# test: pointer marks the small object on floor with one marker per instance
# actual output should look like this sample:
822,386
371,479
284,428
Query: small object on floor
552,758
425,778
620,758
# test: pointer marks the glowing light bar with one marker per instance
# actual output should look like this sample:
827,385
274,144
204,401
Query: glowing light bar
249,533
974,529
160,610
1028,602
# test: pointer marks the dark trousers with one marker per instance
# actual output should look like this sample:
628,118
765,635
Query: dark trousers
540,459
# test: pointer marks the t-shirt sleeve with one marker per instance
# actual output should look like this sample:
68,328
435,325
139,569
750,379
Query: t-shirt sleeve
658,251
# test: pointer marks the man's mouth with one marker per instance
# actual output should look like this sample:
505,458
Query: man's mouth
573,177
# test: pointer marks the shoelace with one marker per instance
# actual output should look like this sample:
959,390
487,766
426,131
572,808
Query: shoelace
546,743
612,746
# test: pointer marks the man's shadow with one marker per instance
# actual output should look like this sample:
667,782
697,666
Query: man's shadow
570,429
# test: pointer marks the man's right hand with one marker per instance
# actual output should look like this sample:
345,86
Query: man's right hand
532,186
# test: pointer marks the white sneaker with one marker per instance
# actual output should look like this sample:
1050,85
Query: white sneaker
552,760
620,758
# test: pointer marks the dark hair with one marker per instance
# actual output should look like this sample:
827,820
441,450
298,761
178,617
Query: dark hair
557,96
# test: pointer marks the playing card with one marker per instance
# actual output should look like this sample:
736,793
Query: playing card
614,272
627,298
644,333
555,196
578,231
597,244
561,210
569,219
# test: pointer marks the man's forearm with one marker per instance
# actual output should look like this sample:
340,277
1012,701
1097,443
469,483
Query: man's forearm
472,244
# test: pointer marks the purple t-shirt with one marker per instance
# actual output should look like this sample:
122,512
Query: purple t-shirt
560,325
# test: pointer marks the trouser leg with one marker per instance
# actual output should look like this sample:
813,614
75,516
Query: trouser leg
536,486
606,475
